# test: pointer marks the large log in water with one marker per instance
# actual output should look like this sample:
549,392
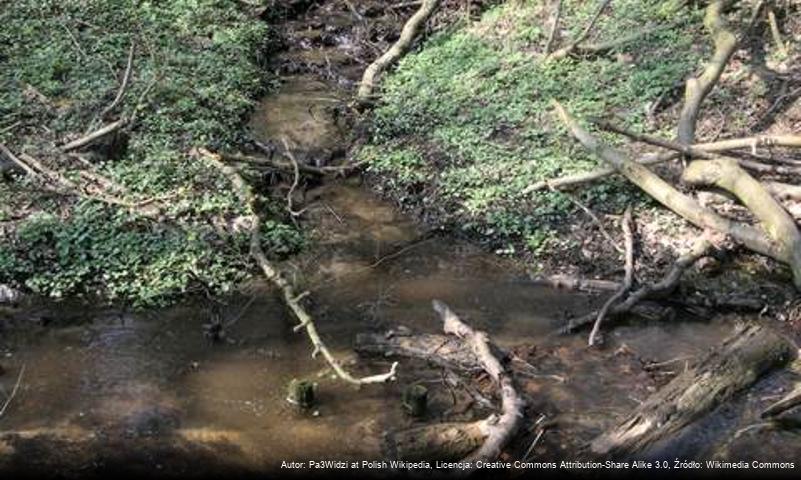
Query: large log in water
738,362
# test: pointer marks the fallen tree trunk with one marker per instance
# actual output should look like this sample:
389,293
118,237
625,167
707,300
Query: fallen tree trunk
726,174
667,195
404,43
752,351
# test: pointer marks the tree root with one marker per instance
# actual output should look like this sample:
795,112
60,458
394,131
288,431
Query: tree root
274,276
404,43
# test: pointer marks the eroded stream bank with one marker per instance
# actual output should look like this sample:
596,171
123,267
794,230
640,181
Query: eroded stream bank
105,388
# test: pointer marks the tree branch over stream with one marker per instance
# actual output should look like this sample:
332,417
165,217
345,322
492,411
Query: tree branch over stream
291,299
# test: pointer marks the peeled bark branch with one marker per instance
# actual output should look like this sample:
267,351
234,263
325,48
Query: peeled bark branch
752,351
698,88
727,175
668,196
404,43
274,276
91,137
498,430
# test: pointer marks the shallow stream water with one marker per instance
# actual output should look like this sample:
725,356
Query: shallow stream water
104,387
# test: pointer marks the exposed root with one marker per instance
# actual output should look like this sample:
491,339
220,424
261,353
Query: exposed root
274,276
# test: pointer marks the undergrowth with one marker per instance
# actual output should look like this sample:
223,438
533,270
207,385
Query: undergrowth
465,123
197,69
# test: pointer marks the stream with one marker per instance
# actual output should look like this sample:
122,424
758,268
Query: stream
105,388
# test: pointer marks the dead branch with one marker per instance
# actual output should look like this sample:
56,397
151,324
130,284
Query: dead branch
498,430
568,49
787,402
628,278
684,205
575,201
575,283
698,88
91,137
727,175
404,43
13,391
660,289
586,177
602,47
774,31
17,161
554,27
287,289
748,354
123,85
705,150
295,180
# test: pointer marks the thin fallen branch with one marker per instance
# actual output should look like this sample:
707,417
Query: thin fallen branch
727,175
295,180
705,150
552,36
787,402
586,177
593,217
404,43
568,49
684,205
91,137
774,31
274,276
602,47
498,430
126,77
575,283
13,391
660,289
698,88
628,278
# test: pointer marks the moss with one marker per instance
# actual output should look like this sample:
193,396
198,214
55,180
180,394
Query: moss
61,63
474,100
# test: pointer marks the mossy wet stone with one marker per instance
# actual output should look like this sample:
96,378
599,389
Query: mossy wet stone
301,393
415,400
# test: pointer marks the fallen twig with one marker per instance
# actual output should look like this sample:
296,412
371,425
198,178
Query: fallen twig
13,391
568,49
628,278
